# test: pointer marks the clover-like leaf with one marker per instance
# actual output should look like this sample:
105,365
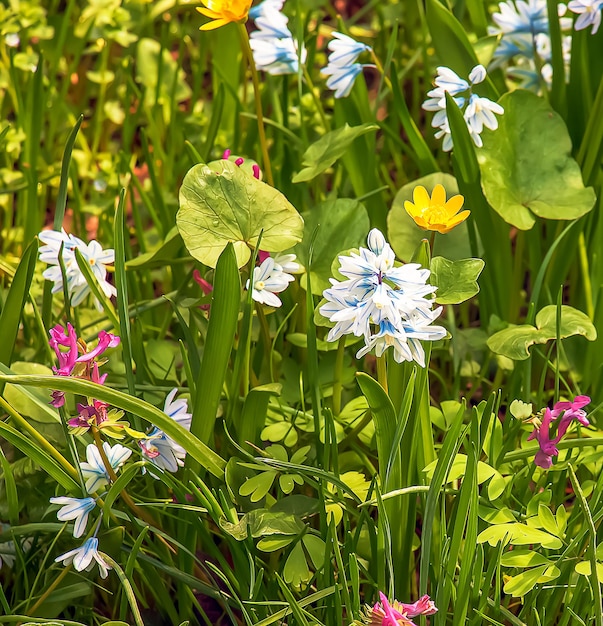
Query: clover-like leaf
456,280
526,164
514,341
223,204
328,149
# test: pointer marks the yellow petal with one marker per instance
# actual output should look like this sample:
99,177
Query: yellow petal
457,219
421,197
438,196
213,25
411,209
453,206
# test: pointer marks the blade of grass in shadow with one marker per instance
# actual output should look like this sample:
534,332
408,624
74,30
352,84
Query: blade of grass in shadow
450,447
497,257
59,213
121,284
205,456
223,317
96,290
423,156
10,317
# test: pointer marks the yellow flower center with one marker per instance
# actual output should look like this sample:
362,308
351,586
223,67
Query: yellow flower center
435,213
260,285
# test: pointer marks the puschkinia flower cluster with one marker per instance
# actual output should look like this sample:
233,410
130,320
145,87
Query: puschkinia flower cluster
565,413
342,68
274,49
384,303
93,254
523,28
272,276
383,613
478,111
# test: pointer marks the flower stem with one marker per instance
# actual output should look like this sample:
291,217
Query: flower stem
382,372
432,242
337,382
258,102
43,443
317,102
46,594
143,515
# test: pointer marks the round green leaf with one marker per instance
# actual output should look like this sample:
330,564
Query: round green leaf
341,224
526,165
404,235
224,204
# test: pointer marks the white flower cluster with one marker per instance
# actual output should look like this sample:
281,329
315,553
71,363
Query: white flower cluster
93,253
384,303
479,112
274,49
523,28
272,276
342,68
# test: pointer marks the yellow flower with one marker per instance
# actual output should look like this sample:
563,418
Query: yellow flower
435,213
224,11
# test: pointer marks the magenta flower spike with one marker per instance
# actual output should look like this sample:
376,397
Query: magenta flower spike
67,359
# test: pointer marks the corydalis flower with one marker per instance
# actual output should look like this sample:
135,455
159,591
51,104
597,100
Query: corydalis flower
223,12
76,509
566,413
435,212
74,357
397,613
342,68
385,304
479,112
94,471
271,277
84,558
93,254
162,450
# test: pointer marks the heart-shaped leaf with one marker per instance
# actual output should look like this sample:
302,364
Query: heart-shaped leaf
526,165
514,341
222,204
456,280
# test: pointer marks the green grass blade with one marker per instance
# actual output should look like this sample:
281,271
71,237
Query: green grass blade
223,317
10,318
450,447
96,290
206,457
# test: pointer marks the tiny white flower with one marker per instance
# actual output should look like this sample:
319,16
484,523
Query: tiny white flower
345,50
84,557
74,509
589,12
93,254
94,471
480,112
162,450
267,281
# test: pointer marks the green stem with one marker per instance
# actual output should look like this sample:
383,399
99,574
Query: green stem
337,382
382,372
317,102
588,288
258,103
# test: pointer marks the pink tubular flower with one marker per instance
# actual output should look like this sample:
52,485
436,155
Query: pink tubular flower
397,613
105,340
569,411
67,359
